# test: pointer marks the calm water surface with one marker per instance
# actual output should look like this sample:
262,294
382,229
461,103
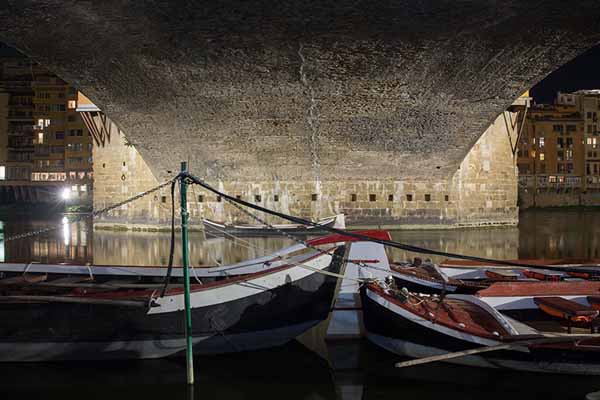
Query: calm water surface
311,370
541,234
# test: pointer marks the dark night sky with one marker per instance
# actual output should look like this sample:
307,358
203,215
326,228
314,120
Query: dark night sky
581,73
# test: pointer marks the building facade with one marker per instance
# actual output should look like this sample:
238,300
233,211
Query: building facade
4,97
45,148
559,152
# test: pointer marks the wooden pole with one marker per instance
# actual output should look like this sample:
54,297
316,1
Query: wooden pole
186,277
541,339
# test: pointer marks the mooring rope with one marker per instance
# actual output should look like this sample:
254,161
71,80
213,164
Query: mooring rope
384,242
90,215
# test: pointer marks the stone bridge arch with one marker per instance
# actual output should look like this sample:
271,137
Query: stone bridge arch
289,91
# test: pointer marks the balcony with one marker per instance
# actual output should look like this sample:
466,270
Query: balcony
554,181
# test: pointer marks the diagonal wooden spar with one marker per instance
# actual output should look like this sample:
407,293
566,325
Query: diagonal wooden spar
544,339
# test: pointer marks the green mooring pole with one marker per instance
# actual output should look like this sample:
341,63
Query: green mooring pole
189,355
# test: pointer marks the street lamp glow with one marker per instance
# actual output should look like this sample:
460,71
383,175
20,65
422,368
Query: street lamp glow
65,194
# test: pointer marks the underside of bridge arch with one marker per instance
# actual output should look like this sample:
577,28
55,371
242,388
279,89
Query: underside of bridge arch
297,91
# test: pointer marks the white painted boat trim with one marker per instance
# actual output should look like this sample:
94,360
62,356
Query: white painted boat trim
525,302
422,282
255,265
241,289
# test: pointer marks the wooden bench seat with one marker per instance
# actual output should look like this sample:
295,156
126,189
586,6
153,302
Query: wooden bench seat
594,302
499,275
567,310
542,275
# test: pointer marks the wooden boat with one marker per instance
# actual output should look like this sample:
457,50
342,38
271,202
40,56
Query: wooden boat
296,254
417,325
76,316
429,278
564,268
213,228
247,312
466,278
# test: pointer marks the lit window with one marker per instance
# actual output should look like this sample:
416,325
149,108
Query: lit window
2,172
74,188
83,188
72,104
541,143
541,156
41,138
46,122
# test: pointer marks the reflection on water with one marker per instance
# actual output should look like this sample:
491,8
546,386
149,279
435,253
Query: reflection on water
290,372
541,234
560,233
498,243
352,371
141,248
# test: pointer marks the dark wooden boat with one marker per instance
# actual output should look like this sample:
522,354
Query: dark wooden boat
246,312
213,228
426,277
417,326
562,269
296,253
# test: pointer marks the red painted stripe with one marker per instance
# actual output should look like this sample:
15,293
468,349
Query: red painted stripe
536,261
356,261
542,288
129,293
335,238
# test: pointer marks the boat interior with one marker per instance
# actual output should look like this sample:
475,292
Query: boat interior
549,309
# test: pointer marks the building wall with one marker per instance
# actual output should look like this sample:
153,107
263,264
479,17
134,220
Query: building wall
120,173
483,191
559,152
558,198
4,97
47,144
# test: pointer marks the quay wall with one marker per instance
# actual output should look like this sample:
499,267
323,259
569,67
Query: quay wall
481,192
545,198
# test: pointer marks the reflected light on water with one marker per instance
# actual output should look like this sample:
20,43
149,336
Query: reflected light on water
1,241
66,229
541,234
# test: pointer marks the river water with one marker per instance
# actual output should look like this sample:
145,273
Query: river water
341,370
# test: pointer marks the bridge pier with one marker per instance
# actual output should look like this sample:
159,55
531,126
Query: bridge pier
481,192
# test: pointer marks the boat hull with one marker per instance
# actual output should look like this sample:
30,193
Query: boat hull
405,335
265,311
215,229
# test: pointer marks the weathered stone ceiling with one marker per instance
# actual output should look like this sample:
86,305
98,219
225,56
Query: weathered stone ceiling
297,89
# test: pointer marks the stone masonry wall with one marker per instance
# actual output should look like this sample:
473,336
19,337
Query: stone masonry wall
120,173
483,191
557,198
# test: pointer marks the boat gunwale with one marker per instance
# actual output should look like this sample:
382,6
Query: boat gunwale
197,288
456,327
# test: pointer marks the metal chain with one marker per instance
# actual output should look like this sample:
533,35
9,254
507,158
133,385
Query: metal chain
89,215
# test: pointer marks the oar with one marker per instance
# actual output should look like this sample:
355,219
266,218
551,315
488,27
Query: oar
503,346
